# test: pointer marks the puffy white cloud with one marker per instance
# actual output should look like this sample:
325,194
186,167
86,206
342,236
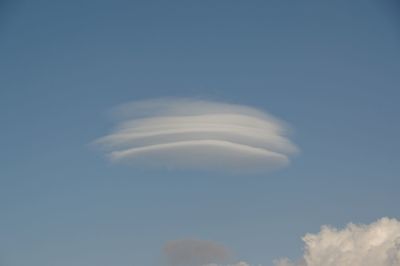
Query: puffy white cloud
376,244
187,133
194,252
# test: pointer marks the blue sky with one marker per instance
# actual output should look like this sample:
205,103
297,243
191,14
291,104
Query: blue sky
329,69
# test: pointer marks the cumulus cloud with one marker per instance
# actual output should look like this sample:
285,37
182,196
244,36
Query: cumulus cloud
187,133
376,244
194,252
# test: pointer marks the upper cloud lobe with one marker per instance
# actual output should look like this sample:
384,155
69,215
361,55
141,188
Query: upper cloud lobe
187,133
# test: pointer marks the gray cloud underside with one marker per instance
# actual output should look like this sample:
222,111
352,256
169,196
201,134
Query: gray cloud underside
194,252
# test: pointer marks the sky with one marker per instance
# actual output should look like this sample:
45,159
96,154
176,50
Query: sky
327,70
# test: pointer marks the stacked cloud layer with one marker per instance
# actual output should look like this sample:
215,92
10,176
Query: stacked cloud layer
185,133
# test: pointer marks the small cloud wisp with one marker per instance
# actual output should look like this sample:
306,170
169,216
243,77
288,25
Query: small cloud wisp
194,252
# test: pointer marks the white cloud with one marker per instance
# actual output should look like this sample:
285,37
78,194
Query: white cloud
377,244
186,133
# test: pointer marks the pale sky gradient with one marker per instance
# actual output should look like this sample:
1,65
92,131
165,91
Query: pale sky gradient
330,69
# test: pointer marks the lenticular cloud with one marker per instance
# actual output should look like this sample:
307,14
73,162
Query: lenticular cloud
186,133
